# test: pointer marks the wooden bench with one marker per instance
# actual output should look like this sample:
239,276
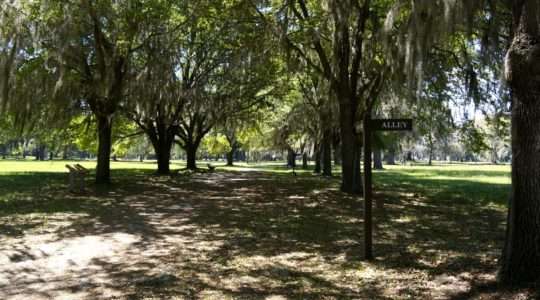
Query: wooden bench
210,167
79,172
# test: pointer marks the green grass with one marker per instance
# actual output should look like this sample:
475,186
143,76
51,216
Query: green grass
255,231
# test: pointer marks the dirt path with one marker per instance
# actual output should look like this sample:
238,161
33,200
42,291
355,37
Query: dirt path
152,234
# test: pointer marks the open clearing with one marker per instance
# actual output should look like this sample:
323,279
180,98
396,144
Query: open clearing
251,234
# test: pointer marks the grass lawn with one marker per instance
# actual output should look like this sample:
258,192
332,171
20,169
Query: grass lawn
251,232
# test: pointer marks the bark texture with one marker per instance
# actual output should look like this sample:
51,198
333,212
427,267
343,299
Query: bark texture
304,161
520,262
377,159
327,153
230,157
103,168
390,158
317,158
191,153
350,154
163,154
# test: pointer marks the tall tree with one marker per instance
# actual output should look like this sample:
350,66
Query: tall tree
94,42
316,112
336,36
159,93
356,46
238,72
521,254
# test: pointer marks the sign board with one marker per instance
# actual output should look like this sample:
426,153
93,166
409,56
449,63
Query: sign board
390,124
371,125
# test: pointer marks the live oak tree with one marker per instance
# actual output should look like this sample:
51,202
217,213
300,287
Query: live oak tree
254,76
160,91
201,68
335,31
174,93
29,84
93,42
316,112
356,46
433,117
520,261
236,67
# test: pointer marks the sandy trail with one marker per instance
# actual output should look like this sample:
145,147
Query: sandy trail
86,256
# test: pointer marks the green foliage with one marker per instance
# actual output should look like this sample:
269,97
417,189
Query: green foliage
473,139
215,144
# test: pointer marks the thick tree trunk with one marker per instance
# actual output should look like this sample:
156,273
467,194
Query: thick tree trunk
42,154
230,157
350,152
377,159
291,158
327,153
191,153
304,161
163,153
335,149
317,153
390,158
520,261
103,169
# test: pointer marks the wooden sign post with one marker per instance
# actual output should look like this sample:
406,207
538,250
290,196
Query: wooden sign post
371,125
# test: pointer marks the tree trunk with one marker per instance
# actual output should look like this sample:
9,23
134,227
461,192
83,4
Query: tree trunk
520,262
191,153
304,161
390,158
25,146
163,153
350,152
430,149
230,157
494,158
317,151
377,159
103,168
64,153
327,153
51,155
291,158
42,152
335,147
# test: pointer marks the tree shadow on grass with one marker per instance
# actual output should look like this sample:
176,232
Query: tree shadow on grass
253,235
452,230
